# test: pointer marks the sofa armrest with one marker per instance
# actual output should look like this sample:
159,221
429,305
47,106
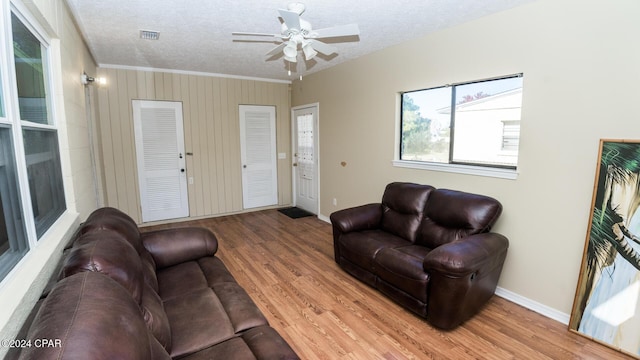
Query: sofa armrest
357,218
174,246
467,255
463,276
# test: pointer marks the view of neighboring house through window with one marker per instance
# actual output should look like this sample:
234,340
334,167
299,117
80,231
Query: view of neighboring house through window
476,123
31,188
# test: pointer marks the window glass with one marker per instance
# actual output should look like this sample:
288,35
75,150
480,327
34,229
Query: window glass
426,125
30,178
13,243
2,114
482,111
30,74
45,177
474,123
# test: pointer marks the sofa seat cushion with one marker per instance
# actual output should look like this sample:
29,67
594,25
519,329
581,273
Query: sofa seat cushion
178,280
402,267
241,310
256,344
192,275
234,348
197,294
198,320
203,318
361,247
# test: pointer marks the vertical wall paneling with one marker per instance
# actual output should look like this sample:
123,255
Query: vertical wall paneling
168,86
120,110
224,165
212,134
128,135
194,140
188,115
204,144
210,138
232,160
218,154
235,145
108,178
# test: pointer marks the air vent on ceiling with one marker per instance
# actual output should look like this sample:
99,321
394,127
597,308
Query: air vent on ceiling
149,35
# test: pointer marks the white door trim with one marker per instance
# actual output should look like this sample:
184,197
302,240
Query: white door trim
316,138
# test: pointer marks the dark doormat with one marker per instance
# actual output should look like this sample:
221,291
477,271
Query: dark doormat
295,213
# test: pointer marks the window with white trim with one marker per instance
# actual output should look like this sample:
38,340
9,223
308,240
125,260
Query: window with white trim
31,187
474,124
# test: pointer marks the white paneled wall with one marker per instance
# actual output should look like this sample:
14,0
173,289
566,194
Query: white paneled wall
212,135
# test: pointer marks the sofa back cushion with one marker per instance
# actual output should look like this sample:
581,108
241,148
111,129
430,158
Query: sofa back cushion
108,218
155,317
403,207
106,252
115,221
90,316
451,215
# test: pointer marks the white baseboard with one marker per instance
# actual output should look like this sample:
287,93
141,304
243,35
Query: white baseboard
324,218
533,305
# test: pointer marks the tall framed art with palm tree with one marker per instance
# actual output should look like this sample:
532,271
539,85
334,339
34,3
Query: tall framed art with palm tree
607,307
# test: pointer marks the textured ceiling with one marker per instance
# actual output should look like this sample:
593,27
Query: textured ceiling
195,35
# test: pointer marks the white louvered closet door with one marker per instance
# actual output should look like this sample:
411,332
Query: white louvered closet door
258,156
161,162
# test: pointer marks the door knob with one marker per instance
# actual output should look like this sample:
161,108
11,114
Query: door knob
295,164
181,170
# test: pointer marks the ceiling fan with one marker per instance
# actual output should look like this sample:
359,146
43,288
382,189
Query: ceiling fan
298,33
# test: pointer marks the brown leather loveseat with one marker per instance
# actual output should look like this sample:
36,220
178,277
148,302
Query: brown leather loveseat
156,295
430,250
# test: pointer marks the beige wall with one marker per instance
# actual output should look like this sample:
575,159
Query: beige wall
212,134
76,59
581,71
70,57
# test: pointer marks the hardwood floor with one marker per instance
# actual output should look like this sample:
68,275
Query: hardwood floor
287,267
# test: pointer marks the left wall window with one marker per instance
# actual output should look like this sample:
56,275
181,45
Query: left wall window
13,242
31,187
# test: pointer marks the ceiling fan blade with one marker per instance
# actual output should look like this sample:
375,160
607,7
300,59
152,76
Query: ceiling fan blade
336,31
291,19
255,34
323,48
276,50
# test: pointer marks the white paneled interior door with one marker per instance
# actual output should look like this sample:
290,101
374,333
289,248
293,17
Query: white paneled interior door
161,162
258,156
305,158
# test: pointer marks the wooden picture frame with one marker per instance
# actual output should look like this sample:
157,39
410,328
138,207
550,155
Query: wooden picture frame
607,302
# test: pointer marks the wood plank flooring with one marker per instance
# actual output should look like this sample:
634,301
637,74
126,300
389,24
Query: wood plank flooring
287,267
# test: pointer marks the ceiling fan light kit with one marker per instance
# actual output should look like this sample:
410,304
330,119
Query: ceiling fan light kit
308,50
297,33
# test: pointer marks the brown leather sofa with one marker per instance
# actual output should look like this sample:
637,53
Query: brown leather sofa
155,295
430,250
